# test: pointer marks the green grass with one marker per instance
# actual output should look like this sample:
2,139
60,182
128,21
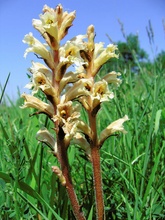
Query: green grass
133,165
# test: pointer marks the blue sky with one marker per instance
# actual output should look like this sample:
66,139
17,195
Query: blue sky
16,17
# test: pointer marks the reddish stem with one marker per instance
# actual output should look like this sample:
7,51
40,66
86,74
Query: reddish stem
97,177
63,159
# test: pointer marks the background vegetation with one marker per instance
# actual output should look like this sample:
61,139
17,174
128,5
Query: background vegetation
133,165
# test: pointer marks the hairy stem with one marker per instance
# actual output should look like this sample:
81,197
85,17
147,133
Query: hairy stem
63,159
97,177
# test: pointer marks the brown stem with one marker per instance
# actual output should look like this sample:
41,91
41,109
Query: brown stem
63,159
97,177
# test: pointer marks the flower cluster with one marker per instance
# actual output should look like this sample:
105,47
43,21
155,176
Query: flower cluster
62,88
67,91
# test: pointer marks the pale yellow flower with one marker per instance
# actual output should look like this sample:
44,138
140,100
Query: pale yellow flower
79,88
67,118
35,46
101,92
70,51
41,82
66,112
116,126
97,93
54,24
39,67
72,127
43,135
40,75
66,23
102,55
47,30
34,102
69,77
112,77
80,140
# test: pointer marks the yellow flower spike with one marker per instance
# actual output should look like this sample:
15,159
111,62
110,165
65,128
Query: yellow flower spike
33,102
43,135
116,126
54,24
58,172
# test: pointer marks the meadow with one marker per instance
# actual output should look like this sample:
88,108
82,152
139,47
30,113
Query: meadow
133,164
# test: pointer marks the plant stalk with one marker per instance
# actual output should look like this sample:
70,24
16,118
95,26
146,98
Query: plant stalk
97,177
63,159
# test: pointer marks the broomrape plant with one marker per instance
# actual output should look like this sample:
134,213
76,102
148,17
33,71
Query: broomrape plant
67,91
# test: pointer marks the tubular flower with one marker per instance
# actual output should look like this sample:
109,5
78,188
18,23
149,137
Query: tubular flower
98,93
102,55
69,77
33,102
39,67
112,78
43,135
83,143
35,46
101,93
40,75
116,126
72,127
80,88
40,81
67,118
54,24
70,52
66,113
